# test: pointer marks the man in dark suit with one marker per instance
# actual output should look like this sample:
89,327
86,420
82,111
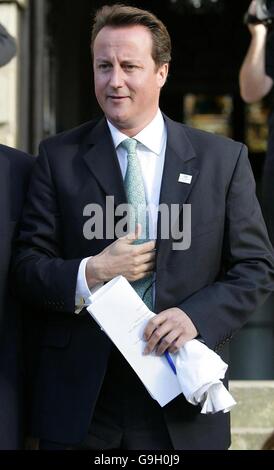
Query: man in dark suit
15,168
85,394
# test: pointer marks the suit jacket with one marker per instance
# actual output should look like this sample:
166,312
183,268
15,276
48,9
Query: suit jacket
224,275
14,175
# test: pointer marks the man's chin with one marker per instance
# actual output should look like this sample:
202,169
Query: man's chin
120,121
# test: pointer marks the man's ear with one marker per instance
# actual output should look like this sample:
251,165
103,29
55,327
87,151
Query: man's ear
162,74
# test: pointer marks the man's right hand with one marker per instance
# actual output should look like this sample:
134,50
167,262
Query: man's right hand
122,257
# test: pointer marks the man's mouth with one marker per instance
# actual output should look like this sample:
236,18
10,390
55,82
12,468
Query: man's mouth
118,98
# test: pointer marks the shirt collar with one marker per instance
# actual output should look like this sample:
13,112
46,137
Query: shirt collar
152,136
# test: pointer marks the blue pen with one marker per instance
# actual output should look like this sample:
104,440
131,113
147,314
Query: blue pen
170,361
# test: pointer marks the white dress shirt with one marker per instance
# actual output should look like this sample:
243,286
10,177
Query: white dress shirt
151,149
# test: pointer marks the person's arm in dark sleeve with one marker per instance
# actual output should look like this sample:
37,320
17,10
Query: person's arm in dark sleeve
41,274
222,308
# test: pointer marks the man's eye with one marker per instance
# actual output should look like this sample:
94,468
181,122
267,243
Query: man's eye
129,66
104,66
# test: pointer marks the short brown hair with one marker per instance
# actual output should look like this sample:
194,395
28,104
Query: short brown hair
119,15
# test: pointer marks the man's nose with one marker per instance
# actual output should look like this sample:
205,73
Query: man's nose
116,78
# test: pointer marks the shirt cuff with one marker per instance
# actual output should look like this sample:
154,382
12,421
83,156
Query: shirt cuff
83,295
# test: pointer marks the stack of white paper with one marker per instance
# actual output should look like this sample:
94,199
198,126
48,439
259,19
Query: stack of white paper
123,316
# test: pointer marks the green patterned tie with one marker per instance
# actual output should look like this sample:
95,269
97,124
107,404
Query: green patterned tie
136,198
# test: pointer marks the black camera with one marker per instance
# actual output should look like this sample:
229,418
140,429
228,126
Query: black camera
264,13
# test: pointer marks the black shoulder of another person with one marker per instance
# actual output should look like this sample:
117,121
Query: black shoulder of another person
17,158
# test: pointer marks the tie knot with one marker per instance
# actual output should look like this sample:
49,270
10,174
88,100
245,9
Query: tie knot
130,146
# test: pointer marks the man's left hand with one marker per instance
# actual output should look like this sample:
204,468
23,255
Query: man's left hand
169,330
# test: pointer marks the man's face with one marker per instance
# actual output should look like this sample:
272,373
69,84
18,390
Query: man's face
127,82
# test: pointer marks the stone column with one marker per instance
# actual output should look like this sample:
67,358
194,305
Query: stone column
9,17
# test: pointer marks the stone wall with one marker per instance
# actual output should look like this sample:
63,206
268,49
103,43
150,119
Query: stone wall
9,76
252,419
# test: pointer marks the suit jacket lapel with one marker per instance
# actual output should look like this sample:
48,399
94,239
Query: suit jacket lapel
101,159
180,159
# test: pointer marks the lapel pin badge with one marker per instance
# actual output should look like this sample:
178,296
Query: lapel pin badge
185,178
